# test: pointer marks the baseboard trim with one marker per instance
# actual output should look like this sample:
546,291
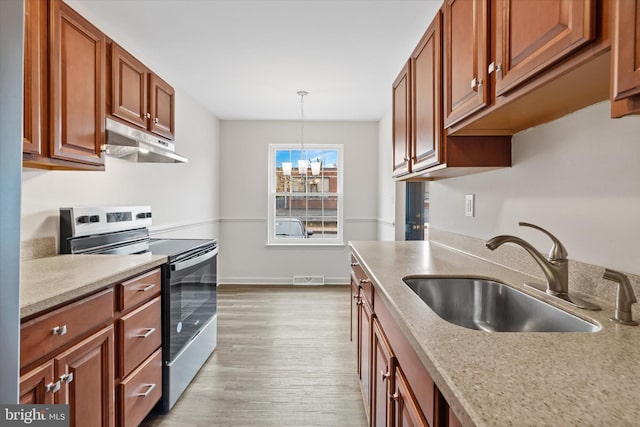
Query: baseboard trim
275,281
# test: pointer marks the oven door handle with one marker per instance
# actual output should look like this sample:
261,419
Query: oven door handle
193,261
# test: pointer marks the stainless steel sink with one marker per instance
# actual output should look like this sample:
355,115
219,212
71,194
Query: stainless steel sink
493,307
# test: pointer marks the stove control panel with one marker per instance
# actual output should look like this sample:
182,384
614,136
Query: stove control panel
86,221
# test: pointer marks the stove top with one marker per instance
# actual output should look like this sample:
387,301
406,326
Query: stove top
175,248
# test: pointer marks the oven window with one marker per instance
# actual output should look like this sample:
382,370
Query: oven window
192,303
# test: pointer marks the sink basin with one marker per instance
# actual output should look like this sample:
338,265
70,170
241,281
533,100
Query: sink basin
492,307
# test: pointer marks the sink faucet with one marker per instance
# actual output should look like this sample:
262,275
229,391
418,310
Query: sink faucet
555,267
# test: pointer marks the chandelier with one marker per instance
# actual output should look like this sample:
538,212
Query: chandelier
303,161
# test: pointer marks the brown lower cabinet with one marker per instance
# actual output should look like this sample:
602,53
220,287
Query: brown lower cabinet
397,389
101,355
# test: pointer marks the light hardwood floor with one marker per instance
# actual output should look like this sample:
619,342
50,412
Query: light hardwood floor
283,359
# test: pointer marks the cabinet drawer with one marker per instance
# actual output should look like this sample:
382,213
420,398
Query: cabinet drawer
50,331
362,280
138,289
140,391
139,335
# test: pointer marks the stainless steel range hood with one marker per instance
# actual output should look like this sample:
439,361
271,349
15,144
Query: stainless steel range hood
132,144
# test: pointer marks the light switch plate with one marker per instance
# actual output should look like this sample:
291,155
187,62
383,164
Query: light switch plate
469,205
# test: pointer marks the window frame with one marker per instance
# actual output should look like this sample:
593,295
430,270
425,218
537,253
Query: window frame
272,194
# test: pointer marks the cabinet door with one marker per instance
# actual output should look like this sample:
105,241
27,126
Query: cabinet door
87,373
36,386
35,77
382,366
406,410
128,87
77,86
161,100
426,89
364,337
626,49
465,58
355,298
532,35
401,126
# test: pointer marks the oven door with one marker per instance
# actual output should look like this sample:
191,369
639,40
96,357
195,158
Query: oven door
191,299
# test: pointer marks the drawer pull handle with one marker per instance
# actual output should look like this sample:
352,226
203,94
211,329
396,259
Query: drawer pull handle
66,378
395,396
146,335
365,281
52,387
147,288
149,390
385,375
59,330
355,264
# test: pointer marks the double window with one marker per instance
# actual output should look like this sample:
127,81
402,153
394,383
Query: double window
305,194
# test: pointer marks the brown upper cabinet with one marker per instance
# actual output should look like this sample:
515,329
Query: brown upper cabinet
129,88
510,65
466,40
35,76
162,102
532,35
401,127
422,150
625,73
64,91
140,97
426,96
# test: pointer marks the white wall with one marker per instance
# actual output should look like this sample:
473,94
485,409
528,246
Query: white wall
244,256
183,197
386,185
578,177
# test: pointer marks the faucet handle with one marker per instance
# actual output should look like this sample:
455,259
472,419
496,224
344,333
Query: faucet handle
558,252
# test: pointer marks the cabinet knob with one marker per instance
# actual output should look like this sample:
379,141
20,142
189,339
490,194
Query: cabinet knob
384,375
355,264
147,116
495,67
150,388
156,120
395,396
52,387
476,83
66,378
59,330
365,281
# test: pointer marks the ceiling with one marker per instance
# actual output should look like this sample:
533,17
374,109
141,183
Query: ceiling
246,59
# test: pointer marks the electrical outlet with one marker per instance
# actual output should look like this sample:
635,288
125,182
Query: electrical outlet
469,205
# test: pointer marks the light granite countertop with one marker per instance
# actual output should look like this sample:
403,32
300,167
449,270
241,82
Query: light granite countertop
52,281
509,379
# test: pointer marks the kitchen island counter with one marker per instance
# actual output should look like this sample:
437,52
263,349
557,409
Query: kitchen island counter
53,281
508,378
